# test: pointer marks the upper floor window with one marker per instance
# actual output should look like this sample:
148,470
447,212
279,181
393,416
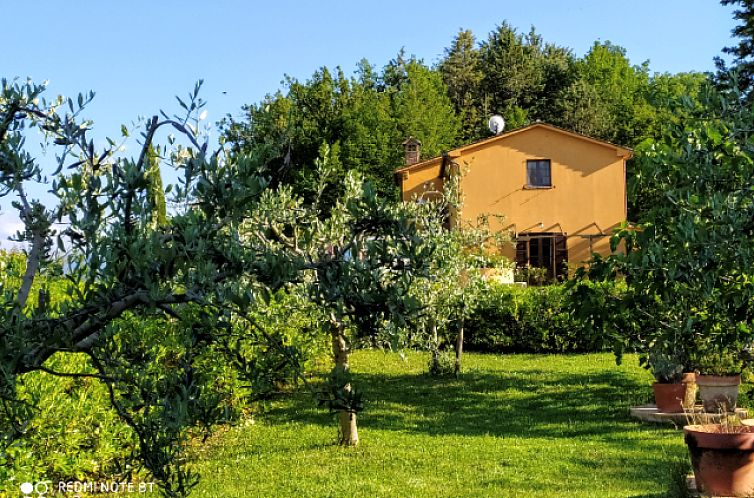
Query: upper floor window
538,173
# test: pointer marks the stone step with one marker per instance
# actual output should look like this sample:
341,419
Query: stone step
650,413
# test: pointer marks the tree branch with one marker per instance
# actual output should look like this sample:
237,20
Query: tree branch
77,375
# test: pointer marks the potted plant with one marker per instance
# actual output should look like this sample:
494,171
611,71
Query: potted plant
718,377
722,456
674,389
688,265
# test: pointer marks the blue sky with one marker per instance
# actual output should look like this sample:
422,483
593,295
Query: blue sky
137,55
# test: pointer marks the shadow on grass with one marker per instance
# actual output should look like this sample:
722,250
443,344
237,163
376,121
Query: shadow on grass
533,403
568,408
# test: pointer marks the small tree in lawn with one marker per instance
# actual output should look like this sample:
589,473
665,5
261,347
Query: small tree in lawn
361,259
469,250
455,281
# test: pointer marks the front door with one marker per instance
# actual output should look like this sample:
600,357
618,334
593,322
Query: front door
543,250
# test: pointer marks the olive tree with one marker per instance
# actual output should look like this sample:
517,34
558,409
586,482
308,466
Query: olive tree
455,277
360,257
226,243
126,262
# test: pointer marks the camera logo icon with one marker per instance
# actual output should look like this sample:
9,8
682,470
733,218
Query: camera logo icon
38,489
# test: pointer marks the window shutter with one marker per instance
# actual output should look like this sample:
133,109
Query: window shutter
561,256
522,253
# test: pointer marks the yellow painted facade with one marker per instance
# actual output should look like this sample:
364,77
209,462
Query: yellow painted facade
585,201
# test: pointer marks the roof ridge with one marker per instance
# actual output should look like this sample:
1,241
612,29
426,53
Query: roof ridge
516,131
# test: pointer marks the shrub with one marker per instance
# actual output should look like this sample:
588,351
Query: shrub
71,431
73,434
287,340
511,319
442,365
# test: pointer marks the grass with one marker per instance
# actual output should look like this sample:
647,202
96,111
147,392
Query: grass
516,425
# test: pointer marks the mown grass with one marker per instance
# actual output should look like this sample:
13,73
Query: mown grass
516,425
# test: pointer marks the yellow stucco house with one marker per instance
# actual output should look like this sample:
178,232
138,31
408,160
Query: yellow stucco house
561,193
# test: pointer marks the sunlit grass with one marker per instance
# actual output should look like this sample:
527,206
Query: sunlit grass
518,425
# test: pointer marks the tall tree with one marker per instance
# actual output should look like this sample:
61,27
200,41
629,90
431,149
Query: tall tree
743,53
688,264
523,76
421,108
462,73
608,98
364,119
155,191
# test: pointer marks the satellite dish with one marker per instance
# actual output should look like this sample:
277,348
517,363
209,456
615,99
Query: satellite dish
496,124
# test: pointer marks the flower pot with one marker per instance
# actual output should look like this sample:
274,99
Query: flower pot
719,393
723,462
669,397
675,397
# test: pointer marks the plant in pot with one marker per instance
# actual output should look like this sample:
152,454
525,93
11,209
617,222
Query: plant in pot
722,456
719,376
688,264
674,389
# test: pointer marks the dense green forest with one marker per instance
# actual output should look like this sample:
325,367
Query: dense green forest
365,117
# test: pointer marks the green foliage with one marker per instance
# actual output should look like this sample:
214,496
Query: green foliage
454,283
522,72
74,433
442,364
743,78
280,343
171,315
619,94
525,79
723,361
155,191
688,264
362,119
666,368
356,261
532,320
461,71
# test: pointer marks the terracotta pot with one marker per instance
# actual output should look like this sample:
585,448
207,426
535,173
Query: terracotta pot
676,397
723,462
719,393
669,398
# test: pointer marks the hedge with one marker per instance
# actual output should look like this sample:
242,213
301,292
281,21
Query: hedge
512,319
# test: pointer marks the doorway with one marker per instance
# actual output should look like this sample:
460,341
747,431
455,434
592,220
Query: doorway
544,250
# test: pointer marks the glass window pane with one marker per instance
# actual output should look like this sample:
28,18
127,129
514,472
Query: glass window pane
538,173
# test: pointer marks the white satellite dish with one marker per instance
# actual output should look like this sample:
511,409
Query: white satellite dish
496,124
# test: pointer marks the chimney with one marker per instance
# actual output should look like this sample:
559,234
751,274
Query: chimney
412,148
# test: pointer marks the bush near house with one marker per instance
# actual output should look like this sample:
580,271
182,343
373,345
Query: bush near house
511,319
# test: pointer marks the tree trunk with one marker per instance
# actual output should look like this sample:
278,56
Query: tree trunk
459,348
348,433
435,347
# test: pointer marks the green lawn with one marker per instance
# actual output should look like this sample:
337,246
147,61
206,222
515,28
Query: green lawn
517,425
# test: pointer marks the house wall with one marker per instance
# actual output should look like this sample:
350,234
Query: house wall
587,197
421,181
